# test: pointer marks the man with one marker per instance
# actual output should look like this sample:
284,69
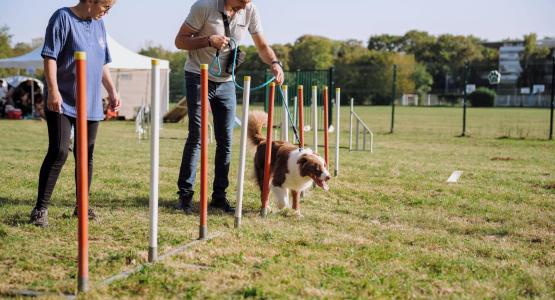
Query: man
203,34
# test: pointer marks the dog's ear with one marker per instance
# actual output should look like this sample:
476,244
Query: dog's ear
302,160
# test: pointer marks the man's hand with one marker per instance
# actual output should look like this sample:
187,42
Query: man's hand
114,101
278,73
218,41
54,102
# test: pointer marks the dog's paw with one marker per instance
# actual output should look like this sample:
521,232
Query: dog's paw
298,214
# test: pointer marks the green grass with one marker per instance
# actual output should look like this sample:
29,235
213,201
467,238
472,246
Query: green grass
390,227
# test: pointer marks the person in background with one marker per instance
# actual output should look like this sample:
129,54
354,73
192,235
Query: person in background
71,29
203,34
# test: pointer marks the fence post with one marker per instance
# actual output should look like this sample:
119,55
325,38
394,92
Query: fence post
552,97
337,126
331,95
464,98
351,125
266,91
393,94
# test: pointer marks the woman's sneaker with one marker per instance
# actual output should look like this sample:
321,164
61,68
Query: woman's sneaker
92,215
39,217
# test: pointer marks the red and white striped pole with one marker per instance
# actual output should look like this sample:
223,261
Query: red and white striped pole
82,172
268,157
326,123
301,115
203,230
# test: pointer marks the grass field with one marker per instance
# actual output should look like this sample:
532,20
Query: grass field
390,227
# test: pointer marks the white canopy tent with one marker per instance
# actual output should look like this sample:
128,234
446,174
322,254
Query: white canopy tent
130,72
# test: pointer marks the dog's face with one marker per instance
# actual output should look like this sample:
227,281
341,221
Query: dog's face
314,166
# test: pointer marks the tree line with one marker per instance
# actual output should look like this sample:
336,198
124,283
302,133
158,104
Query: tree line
426,63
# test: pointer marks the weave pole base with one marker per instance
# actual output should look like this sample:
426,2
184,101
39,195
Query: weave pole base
82,285
264,212
152,254
203,232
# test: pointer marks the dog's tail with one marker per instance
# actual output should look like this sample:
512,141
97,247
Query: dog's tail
257,120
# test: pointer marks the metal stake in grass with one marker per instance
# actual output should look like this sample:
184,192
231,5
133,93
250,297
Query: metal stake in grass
243,150
82,172
154,161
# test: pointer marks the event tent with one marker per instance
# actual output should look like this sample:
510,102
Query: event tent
130,71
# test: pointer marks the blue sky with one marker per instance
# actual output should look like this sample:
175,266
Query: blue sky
136,23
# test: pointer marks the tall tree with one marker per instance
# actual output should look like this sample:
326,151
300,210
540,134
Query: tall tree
386,42
5,38
312,52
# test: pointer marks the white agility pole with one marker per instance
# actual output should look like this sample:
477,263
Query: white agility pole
285,117
154,161
243,150
295,112
337,114
315,116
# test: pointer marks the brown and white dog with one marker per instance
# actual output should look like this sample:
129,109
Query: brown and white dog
291,168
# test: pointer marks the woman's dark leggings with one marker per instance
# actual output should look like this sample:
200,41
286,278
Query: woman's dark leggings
59,135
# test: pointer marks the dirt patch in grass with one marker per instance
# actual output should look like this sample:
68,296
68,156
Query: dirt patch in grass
550,186
501,158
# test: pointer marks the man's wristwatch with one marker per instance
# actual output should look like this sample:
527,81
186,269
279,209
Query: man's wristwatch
277,62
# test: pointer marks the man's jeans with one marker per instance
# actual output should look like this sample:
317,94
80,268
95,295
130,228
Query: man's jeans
223,102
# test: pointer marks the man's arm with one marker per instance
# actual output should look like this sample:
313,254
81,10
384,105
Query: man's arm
268,56
187,39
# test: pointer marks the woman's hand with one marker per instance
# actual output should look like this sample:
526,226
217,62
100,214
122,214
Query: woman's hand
114,101
54,102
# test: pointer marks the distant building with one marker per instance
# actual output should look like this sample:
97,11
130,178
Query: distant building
509,62
508,91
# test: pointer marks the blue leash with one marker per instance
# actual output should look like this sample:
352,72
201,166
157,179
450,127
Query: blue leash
216,62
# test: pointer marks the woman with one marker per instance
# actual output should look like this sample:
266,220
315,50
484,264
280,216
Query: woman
71,29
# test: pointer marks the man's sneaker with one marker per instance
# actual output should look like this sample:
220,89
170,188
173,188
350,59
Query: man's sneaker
39,217
223,204
186,202
92,215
